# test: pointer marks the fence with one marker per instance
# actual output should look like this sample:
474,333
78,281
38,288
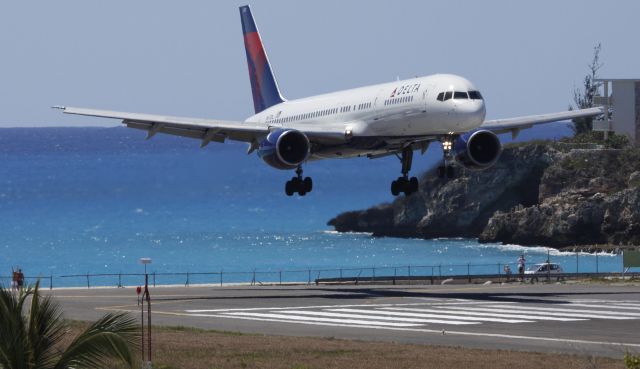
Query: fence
409,272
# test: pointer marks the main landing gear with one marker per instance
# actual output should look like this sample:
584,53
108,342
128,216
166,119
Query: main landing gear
298,184
404,183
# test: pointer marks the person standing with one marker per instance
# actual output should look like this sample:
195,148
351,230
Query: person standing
20,279
507,271
14,280
521,264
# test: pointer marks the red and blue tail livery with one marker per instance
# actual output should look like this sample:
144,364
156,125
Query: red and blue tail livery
263,83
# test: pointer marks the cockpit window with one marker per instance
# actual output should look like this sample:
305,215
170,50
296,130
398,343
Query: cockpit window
460,95
475,95
447,95
440,96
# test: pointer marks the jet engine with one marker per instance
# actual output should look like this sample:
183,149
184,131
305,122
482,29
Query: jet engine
477,150
285,149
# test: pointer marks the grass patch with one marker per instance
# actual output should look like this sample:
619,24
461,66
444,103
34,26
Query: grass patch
187,348
182,328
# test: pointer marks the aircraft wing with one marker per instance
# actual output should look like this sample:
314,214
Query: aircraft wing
206,130
515,125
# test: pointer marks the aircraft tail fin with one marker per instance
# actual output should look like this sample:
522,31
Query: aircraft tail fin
263,83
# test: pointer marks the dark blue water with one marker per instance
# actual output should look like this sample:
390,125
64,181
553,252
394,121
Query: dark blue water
95,200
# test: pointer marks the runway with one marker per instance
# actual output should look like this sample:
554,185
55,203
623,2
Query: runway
580,318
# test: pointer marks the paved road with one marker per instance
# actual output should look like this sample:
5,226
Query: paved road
583,319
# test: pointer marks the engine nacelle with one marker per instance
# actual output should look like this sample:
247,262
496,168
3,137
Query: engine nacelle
285,149
477,150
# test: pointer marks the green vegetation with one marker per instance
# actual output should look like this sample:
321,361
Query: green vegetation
34,335
614,141
182,328
632,361
586,140
583,99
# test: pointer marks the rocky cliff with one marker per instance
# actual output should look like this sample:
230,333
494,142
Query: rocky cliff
537,194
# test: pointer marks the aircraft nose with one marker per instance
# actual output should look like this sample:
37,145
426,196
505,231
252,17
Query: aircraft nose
472,108
471,113
482,111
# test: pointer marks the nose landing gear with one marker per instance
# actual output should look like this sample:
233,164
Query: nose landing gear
298,184
404,183
447,169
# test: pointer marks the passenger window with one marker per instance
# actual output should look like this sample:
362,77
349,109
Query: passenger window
447,95
460,95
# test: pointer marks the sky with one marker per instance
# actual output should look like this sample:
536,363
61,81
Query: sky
187,58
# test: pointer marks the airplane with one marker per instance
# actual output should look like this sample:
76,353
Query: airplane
395,118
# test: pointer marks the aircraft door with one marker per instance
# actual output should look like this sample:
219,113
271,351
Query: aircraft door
425,98
378,103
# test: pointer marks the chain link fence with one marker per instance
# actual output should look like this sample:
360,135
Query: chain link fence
426,273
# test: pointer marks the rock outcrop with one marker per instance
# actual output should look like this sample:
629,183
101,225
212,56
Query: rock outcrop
537,194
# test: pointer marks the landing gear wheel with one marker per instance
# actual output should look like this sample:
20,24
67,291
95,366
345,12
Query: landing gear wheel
395,188
413,185
298,184
290,187
301,188
404,184
451,172
448,171
307,184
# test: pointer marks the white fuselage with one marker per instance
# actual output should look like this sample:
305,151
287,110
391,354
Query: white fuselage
400,109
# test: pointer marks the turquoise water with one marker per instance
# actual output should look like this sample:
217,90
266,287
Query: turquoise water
95,200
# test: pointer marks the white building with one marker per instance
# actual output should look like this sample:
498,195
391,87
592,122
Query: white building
625,103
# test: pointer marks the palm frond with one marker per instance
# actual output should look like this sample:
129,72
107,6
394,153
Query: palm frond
46,329
14,343
111,337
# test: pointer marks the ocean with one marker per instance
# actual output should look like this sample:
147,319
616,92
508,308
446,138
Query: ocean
95,200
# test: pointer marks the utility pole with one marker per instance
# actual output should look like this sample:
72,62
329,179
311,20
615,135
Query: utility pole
146,297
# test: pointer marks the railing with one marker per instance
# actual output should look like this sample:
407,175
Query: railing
431,273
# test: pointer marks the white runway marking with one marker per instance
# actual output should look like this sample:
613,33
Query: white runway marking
524,318
367,315
327,320
637,306
544,312
616,306
559,341
597,309
595,314
442,315
439,302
